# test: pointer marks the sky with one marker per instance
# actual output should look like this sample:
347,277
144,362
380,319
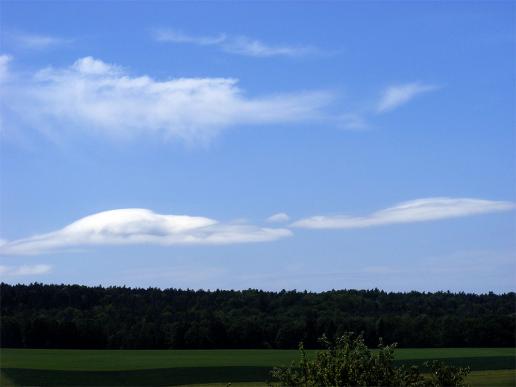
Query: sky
285,145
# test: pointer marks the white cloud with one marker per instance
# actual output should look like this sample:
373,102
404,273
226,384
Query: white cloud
419,210
96,97
252,47
91,66
352,121
278,218
179,37
4,67
396,96
141,226
15,271
37,42
240,45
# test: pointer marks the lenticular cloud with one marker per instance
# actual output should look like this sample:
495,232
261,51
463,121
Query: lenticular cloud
141,226
419,210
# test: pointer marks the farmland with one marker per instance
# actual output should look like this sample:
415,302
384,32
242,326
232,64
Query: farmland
490,366
122,336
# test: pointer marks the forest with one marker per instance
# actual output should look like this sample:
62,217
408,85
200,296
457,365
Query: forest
73,316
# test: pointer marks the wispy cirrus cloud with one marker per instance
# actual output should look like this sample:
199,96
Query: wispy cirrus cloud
240,45
36,41
141,226
398,95
95,97
173,36
4,67
24,270
419,210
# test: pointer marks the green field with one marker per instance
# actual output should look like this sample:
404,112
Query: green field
491,366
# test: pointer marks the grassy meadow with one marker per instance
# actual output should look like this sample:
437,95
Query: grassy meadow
490,366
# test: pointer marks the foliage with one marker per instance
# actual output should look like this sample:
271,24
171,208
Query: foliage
349,362
444,375
72,316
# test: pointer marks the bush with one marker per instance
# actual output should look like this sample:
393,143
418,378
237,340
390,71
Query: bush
444,375
349,362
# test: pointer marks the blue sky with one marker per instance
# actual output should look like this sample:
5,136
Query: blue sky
269,145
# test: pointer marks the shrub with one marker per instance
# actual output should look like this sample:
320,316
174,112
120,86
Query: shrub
349,362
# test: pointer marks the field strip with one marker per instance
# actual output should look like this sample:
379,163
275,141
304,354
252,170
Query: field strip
491,366
160,377
118,360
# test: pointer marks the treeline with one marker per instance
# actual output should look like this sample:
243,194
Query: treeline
73,316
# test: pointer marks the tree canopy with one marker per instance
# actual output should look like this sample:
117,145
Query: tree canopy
73,316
